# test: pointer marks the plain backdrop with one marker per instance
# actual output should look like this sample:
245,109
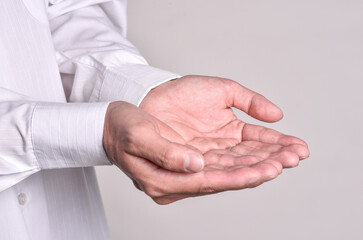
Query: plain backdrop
307,57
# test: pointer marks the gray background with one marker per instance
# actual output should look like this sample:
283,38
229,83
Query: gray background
307,57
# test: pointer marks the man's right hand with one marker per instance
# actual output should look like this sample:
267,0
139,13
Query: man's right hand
160,163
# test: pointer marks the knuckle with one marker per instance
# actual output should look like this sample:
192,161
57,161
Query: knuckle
207,189
256,184
162,201
167,159
153,192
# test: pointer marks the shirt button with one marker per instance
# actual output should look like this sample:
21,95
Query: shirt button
22,198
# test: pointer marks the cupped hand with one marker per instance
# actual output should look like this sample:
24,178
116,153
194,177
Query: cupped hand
130,132
154,156
199,108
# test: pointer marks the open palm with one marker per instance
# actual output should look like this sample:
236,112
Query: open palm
199,109
153,155
192,116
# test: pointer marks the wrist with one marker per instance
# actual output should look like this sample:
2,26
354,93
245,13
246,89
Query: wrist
107,133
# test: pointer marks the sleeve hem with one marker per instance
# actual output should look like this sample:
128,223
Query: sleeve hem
69,135
131,82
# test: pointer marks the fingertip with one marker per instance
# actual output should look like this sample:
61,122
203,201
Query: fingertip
300,149
263,109
304,153
193,162
268,170
291,159
274,113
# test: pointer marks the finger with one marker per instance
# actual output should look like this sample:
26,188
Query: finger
164,200
211,181
176,197
237,178
254,104
277,164
266,135
219,159
160,184
301,150
286,158
239,156
264,149
210,189
215,180
205,144
269,170
148,144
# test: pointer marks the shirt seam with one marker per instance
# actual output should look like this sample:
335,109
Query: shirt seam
37,159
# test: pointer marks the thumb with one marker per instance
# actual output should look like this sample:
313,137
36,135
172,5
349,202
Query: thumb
166,154
254,104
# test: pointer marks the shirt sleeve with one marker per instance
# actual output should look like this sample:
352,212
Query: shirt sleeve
39,135
97,65
95,57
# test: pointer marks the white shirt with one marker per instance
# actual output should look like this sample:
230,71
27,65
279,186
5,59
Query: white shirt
48,188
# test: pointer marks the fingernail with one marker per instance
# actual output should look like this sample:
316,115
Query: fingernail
193,162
